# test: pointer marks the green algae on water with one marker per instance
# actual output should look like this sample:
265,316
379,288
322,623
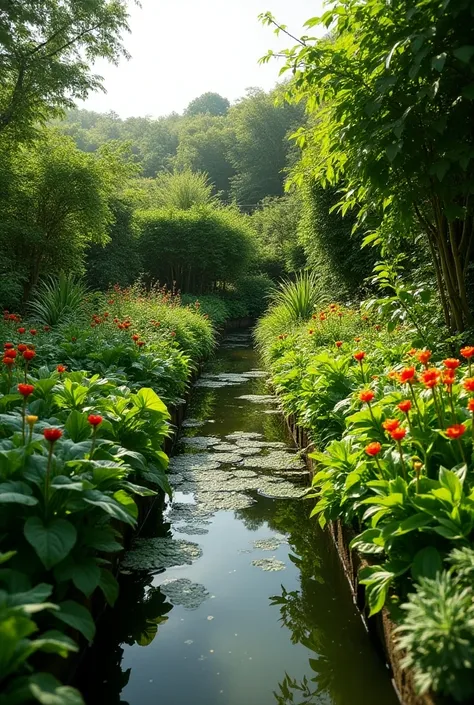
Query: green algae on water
181,591
160,552
269,564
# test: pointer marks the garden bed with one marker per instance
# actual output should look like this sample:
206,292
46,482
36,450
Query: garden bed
380,626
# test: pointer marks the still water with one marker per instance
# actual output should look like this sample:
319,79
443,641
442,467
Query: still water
249,635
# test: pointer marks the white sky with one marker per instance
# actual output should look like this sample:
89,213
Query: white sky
182,48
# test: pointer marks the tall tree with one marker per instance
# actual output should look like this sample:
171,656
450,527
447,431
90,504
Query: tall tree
210,103
259,148
46,51
393,88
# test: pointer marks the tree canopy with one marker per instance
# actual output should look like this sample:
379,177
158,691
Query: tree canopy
210,103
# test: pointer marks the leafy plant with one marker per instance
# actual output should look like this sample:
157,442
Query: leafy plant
59,300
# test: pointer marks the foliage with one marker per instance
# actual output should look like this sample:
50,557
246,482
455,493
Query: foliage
276,226
181,190
203,147
54,200
47,50
210,103
330,247
118,261
391,91
58,300
299,297
259,148
437,634
196,248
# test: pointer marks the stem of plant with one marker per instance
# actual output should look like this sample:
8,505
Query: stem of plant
415,401
362,370
47,480
382,474
23,424
439,411
463,455
402,459
94,434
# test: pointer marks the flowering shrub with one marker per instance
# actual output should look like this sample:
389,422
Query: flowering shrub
394,429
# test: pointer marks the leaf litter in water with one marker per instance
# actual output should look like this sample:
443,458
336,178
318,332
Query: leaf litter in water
160,552
181,591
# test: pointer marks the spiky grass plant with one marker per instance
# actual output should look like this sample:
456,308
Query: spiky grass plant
59,300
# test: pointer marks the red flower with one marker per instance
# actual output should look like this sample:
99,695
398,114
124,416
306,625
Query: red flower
22,330
398,434
46,329
61,368
29,354
33,331
359,356
173,333
378,327
338,343
469,384
10,353
322,316
8,346
470,405
22,347
405,406
52,434
373,449
424,356
140,343
430,378
95,419
366,395
451,363
412,352
391,424
135,337
73,340
407,375
26,389
449,377
468,351
455,431
8,361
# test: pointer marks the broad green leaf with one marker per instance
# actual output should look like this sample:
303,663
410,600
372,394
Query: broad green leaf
77,617
53,541
147,399
109,586
108,505
77,426
48,691
426,563
464,53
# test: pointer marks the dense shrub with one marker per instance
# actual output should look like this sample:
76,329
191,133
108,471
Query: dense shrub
331,250
118,261
195,249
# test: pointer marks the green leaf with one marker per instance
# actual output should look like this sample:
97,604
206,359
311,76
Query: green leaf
450,481
437,62
109,505
147,399
53,541
369,541
426,563
4,557
464,53
77,426
392,150
77,617
48,691
55,642
84,573
109,586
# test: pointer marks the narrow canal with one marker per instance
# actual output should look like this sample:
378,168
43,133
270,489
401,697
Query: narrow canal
252,607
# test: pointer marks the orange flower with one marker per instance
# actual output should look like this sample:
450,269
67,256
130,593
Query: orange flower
366,395
470,405
451,363
322,316
468,351
455,431
469,384
423,356
373,449
135,337
430,378
449,377
393,374
338,343
357,340
391,424
405,406
412,352
359,355
407,375
61,369
398,434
